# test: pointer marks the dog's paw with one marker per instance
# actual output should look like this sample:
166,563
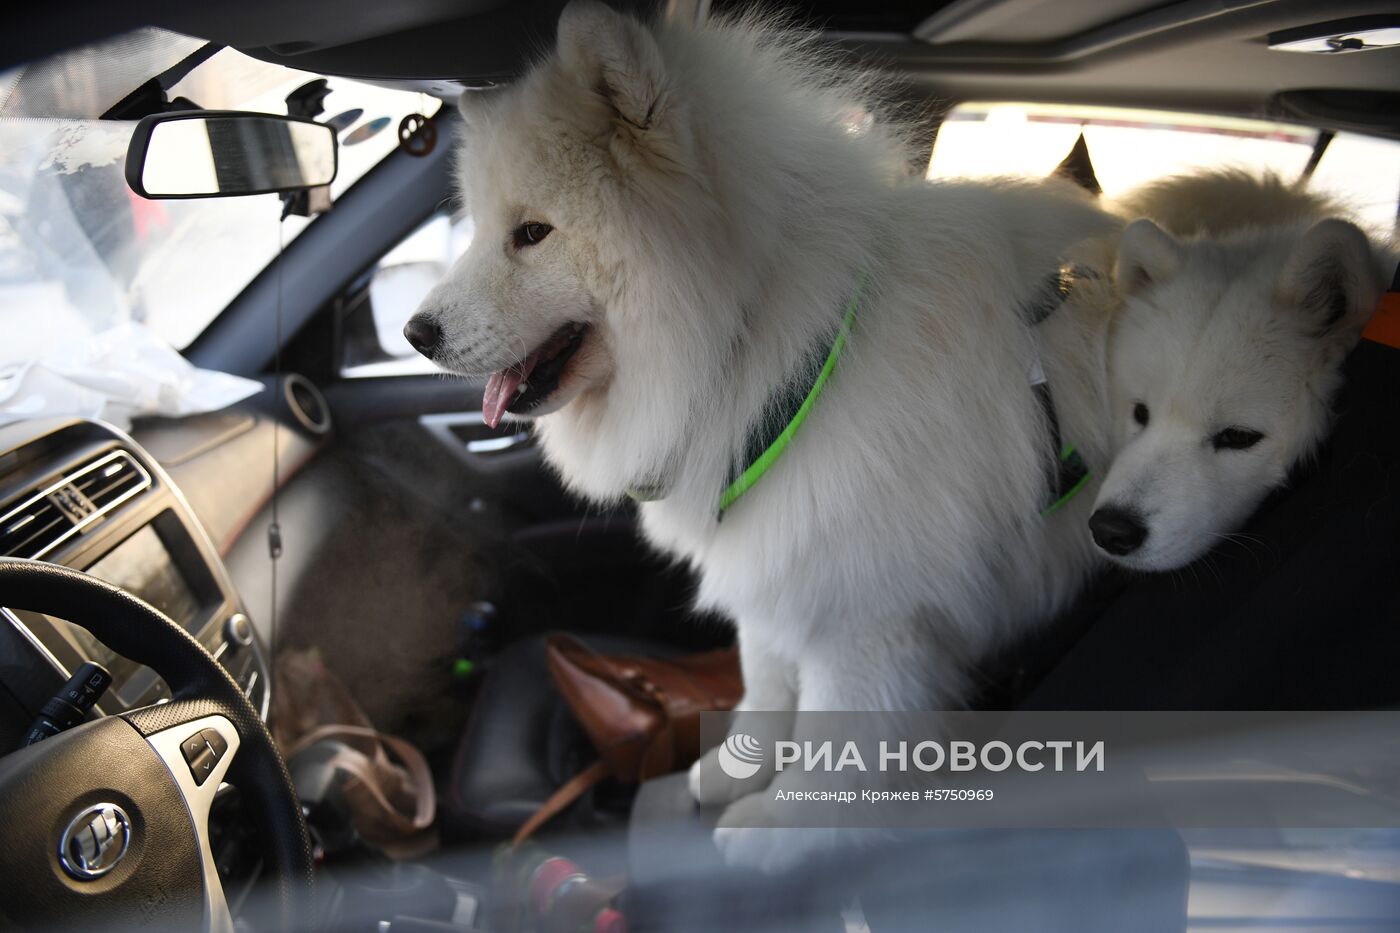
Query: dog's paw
711,787
747,837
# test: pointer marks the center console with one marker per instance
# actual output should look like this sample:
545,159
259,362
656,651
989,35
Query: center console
86,496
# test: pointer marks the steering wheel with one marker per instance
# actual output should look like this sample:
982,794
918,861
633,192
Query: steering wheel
107,823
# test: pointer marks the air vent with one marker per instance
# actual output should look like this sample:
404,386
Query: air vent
34,529
307,404
111,482
47,517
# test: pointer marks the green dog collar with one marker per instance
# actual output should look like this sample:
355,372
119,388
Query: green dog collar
764,451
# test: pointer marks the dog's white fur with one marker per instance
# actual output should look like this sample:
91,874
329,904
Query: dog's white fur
1237,315
712,210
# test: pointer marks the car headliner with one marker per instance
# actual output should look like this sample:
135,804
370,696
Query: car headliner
1210,55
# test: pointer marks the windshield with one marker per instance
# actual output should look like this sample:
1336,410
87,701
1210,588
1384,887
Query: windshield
81,254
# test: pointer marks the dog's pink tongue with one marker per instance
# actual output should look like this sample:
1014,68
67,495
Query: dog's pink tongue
500,389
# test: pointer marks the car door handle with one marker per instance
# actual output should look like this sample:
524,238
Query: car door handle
498,445
467,435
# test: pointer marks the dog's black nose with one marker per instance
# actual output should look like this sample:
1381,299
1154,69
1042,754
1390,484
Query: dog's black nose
1117,531
422,334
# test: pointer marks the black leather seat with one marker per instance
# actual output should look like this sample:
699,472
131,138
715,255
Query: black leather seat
521,743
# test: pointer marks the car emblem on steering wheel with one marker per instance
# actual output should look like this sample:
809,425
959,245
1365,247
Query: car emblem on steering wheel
95,841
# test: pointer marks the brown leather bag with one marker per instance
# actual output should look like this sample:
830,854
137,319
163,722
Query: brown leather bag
642,714
389,790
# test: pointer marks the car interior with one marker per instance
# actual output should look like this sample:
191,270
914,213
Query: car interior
352,507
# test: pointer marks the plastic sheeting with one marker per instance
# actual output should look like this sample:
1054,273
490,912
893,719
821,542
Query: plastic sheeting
116,375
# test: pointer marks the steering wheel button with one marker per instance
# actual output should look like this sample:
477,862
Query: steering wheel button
216,742
203,766
192,747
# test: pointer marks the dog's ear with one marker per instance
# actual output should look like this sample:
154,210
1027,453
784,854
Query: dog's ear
1079,168
1147,255
1331,277
617,58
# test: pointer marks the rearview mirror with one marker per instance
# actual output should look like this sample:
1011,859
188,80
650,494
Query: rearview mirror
222,154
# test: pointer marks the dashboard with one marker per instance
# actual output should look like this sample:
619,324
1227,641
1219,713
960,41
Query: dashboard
84,495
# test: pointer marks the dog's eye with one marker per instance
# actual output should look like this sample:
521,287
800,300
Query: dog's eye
1140,414
1235,439
528,234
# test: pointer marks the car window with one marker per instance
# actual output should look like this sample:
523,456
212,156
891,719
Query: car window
373,342
79,253
1131,147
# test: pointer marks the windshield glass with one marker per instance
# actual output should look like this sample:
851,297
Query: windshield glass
80,253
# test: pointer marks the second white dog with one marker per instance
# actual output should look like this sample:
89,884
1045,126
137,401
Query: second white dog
1225,355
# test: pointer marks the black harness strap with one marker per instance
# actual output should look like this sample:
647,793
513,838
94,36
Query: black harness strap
1068,471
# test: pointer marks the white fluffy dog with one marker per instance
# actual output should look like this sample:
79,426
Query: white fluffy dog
1224,356
677,228
691,243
